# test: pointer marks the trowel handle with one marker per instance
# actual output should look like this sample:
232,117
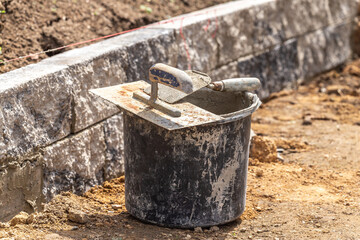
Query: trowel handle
171,77
236,85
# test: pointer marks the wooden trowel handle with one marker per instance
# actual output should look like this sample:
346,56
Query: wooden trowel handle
236,85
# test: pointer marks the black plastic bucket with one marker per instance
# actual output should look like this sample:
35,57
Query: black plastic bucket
193,176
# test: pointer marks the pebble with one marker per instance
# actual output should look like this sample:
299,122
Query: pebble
107,185
307,120
259,173
52,236
77,216
31,218
280,150
116,206
128,226
74,228
198,230
323,90
122,179
67,194
20,218
280,158
4,225
188,237
214,229
252,133
243,230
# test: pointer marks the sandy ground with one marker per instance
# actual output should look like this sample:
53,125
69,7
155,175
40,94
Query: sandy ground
303,179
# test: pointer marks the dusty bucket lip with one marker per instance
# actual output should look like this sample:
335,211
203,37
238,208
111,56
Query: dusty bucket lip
191,115
255,104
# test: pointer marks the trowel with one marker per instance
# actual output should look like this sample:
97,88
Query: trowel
172,92
177,84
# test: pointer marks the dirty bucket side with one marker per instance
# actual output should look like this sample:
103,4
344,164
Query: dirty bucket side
188,177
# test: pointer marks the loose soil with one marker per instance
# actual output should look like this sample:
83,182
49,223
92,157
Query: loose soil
29,27
303,179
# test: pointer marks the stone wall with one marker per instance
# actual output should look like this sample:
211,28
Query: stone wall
55,136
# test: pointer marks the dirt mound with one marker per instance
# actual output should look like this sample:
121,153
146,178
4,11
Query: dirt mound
33,26
290,144
263,149
69,207
267,150
111,192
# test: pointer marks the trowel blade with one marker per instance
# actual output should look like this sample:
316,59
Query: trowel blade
171,95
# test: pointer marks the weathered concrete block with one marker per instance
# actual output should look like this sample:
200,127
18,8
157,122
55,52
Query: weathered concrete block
37,111
303,16
267,28
227,71
234,36
324,49
103,71
343,11
114,147
149,46
283,67
276,69
99,65
249,30
20,186
76,163
198,47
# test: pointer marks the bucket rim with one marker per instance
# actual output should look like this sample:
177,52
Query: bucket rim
240,114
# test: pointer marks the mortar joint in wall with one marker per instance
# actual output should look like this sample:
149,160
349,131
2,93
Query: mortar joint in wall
73,112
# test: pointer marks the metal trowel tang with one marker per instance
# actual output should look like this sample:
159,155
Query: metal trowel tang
172,94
